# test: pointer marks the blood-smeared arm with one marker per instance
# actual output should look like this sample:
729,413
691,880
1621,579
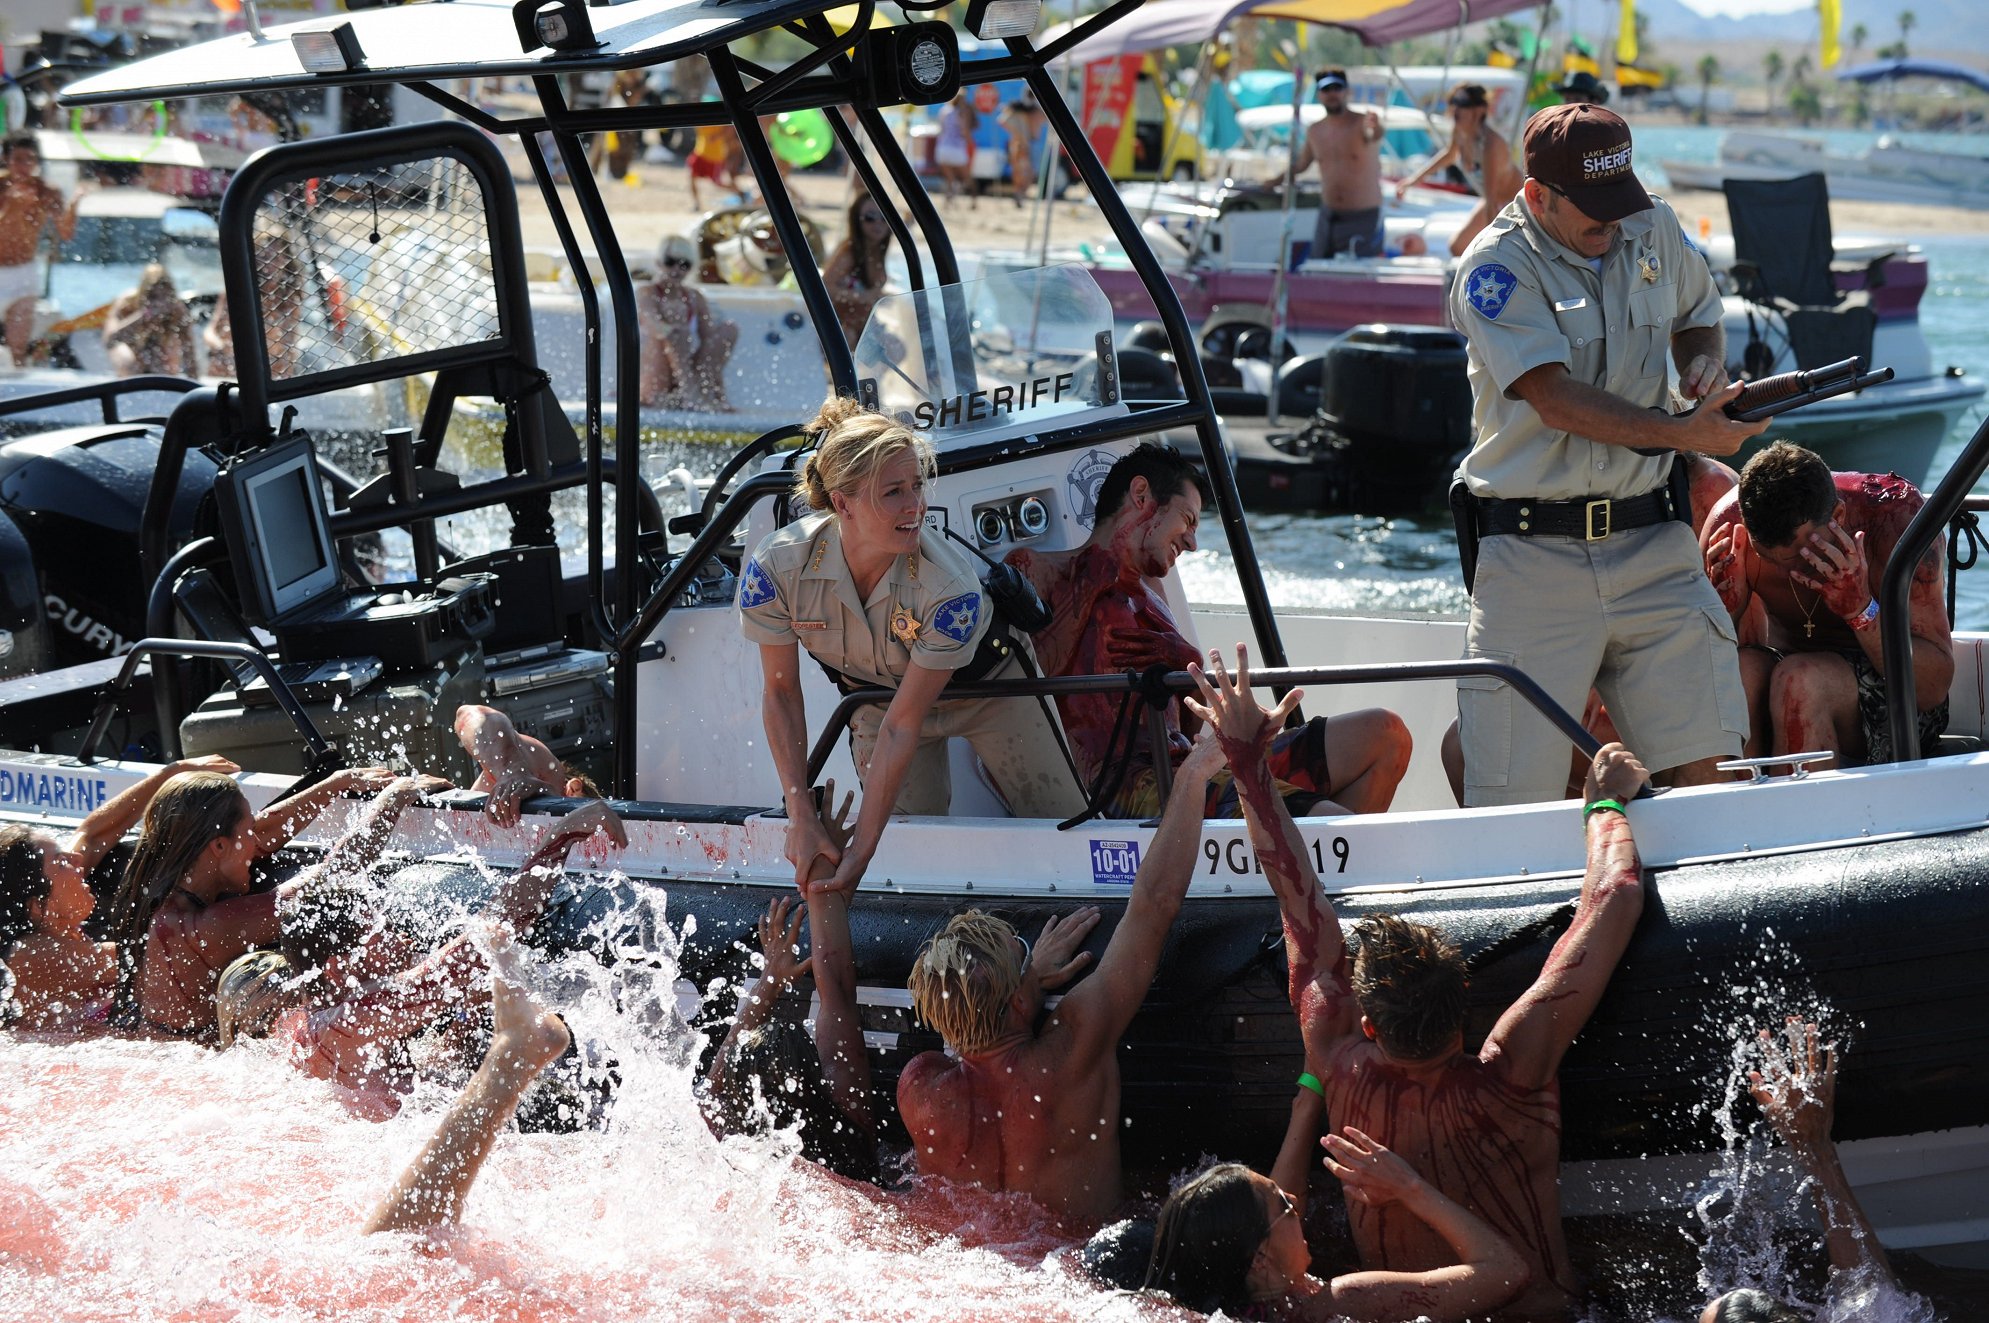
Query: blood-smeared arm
1321,988
898,738
832,958
1837,569
1536,1031
1488,1271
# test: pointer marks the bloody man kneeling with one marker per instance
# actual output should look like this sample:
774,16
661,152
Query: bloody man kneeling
1109,614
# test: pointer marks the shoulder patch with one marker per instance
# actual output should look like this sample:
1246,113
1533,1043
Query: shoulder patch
956,617
1488,287
755,586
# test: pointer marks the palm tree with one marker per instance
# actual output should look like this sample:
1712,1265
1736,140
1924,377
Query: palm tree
1858,37
1771,69
1709,69
1907,20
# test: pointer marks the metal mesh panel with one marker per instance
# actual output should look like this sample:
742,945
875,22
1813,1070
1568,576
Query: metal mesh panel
369,266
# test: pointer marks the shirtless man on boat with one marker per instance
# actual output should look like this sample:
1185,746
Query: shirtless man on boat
1346,146
1799,551
1109,613
1034,1111
1384,1030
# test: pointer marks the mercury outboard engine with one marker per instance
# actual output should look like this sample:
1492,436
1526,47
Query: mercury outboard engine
1400,398
69,544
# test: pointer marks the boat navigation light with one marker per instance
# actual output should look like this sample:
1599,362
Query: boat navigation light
992,20
328,50
563,26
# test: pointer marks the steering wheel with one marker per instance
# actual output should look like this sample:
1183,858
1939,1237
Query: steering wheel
746,454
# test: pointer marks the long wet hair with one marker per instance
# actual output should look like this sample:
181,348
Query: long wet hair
1209,1232
1750,1306
191,812
856,442
23,881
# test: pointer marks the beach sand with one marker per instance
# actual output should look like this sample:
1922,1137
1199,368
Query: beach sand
658,204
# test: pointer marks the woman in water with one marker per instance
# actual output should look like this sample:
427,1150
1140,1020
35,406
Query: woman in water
879,599
855,273
183,910
61,976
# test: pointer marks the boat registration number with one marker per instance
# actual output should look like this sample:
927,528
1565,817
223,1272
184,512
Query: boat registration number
1236,855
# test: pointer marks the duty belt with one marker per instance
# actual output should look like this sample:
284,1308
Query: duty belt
1590,520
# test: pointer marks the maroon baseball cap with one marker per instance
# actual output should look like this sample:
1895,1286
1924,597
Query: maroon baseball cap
1583,152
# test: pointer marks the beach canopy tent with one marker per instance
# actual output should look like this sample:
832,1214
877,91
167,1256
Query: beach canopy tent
1191,22
1886,71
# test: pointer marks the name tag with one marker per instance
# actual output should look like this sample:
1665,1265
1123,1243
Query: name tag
804,625
1569,305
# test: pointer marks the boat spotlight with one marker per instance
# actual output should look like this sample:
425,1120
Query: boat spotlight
562,25
328,50
992,20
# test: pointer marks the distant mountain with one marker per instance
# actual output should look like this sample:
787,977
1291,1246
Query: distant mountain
1942,29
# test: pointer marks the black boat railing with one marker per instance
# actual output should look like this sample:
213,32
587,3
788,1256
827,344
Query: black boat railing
324,755
1279,678
105,393
1949,497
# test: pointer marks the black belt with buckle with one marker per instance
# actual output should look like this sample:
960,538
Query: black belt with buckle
1590,520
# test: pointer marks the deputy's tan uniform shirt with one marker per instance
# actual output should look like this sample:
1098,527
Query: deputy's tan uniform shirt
1524,300
928,609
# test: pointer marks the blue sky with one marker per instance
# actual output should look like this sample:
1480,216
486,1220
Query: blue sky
1743,8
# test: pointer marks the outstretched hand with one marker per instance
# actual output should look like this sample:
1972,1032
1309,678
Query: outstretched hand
780,943
590,818
1056,957
1240,722
1373,1175
1797,1090
1615,774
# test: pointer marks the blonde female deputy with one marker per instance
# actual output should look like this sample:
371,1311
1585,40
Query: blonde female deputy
881,600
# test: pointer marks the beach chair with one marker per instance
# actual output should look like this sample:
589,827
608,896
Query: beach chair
1784,266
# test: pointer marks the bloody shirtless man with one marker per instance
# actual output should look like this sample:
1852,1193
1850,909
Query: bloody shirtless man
1797,553
1346,146
1038,1112
28,208
1384,1030
1109,613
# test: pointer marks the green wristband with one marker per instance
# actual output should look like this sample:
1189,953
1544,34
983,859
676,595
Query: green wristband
1600,806
1311,1081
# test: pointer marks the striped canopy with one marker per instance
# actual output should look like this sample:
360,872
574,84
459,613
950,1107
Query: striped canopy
1377,22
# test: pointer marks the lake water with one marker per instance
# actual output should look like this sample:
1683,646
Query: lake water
1410,564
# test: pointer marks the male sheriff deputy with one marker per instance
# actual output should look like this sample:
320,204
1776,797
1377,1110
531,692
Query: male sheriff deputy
1587,571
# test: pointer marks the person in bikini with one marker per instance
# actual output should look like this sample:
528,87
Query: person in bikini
1797,553
1480,154
29,208
1011,1107
183,909
1384,1030
340,1020
685,346
1346,146
60,976
1109,613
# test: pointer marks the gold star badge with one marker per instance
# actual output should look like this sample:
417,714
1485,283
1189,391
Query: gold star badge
1647,266
905,626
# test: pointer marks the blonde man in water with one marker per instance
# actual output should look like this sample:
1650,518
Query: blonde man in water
1037,1111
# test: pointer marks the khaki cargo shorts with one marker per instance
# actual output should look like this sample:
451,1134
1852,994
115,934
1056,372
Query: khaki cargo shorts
1632,615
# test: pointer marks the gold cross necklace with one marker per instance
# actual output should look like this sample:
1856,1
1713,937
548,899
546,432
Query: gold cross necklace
1809,612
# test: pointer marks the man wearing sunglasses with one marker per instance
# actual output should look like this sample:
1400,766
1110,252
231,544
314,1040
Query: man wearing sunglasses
1576,302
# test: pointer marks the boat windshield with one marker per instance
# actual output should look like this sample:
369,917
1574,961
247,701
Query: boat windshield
963,361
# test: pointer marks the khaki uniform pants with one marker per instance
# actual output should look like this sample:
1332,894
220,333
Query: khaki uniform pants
1012,738
1632,615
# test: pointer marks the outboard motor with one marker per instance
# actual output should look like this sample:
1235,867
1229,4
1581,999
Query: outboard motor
73,501
1400,398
